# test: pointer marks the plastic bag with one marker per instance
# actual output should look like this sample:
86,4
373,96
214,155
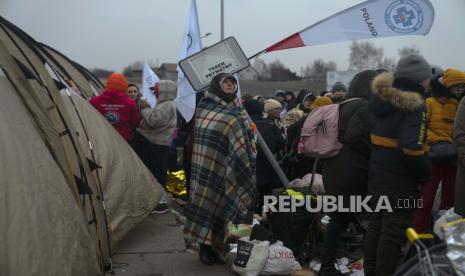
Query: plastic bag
454,233
445,218
251,257
239,230
281,260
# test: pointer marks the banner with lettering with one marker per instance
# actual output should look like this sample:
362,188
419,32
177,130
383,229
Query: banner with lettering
370,19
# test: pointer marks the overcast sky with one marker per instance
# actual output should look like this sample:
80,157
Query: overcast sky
113,33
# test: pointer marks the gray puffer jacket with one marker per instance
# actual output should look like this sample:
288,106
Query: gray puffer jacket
159,123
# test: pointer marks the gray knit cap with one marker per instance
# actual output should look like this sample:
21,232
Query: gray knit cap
413,67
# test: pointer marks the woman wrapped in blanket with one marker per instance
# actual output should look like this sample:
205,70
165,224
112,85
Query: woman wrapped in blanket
223,169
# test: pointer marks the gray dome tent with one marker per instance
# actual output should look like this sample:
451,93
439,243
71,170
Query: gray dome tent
71,187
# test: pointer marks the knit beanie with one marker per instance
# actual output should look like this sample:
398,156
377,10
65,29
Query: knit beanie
414,68
452,77
116,82
339,86
271,104
321,101
253,107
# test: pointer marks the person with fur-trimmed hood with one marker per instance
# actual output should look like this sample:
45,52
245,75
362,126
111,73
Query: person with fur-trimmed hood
442,107
223,180
398,164
302,106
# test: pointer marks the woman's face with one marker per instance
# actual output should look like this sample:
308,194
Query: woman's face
274,113
228,86
289,98
132,92
458,89
308,104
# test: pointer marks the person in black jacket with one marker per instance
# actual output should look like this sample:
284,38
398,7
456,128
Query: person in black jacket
267,179
398,165
347,173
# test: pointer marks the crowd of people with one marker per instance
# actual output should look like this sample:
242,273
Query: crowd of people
402,134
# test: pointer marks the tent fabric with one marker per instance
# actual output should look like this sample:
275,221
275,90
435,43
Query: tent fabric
46,97
54,221
130,190
43,231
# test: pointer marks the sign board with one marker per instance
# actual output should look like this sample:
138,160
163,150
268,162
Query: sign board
225,56
339,76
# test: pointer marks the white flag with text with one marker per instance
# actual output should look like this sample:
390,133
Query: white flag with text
185,100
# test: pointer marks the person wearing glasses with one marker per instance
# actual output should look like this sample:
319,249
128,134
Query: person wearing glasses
447,90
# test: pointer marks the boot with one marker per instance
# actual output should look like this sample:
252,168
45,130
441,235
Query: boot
205,255
327,268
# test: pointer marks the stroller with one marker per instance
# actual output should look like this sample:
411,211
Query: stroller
427,261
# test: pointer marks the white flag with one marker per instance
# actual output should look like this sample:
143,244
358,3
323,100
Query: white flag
238,86
185,100
149,79
370,19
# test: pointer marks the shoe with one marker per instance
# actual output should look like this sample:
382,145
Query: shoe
329,271
161,208
205,255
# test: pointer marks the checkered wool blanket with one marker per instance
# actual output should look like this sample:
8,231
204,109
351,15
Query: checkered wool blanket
223,181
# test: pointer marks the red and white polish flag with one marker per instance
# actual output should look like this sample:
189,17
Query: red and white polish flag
370,19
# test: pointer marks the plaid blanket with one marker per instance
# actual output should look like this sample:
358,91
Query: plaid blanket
223,171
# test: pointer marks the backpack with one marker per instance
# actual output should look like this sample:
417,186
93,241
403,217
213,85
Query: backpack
319,135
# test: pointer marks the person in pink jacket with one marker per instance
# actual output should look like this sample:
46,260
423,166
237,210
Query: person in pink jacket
117,107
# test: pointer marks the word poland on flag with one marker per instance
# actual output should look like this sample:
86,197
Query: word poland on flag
370,19
149,79
185,99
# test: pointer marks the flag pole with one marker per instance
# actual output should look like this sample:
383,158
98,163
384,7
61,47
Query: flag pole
257,54
222,19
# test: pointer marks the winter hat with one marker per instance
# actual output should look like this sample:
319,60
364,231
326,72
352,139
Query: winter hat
309,97
339,86
271,104
452,77
360,86
278,93
253,107
216,89
116,82
414,68
321,101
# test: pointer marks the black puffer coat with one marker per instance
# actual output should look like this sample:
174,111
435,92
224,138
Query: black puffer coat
398,163
347,173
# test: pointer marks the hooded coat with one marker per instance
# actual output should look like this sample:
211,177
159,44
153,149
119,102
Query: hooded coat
459,139
158,123
120,110
223,168
442,108
347,173
398,163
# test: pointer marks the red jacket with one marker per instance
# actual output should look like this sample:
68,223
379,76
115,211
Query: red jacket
120,111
